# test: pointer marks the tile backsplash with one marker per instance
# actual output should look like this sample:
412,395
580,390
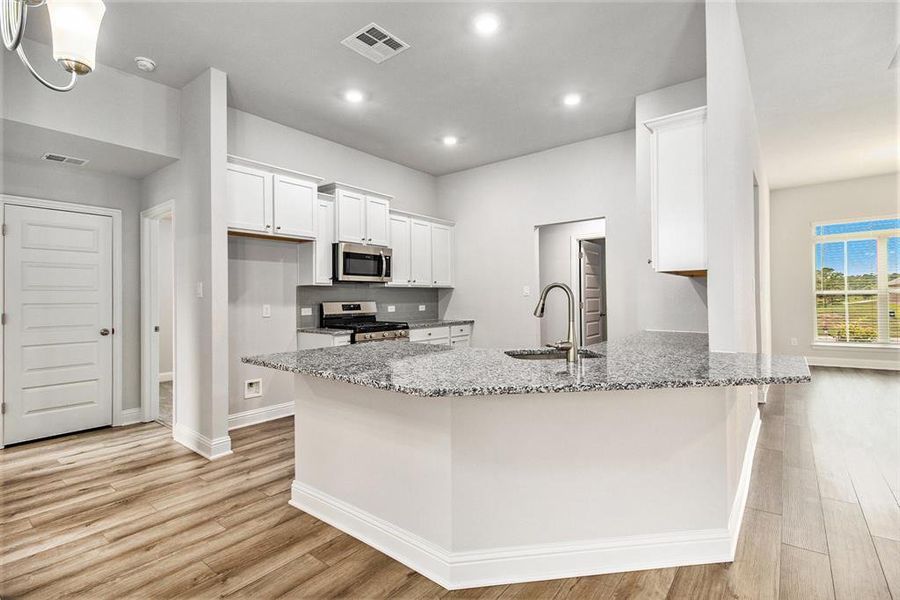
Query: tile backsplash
406,301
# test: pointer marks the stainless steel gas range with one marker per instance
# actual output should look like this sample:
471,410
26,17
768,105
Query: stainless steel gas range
359,319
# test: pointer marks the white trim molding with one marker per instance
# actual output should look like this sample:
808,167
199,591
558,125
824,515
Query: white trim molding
260,415
854,363
165,376
460,570
199,443
130,416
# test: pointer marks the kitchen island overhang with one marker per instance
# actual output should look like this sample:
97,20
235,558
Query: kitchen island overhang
476,489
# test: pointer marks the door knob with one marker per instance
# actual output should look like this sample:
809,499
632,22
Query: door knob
104,331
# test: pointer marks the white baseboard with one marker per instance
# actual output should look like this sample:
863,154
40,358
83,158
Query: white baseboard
459,570
130,416
202,445
853,363
260,415
167,376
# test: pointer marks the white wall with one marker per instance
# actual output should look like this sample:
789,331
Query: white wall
732,157
82,186
687,306
109,105
164,269
794,210
260,272
496,208
555,265
266,141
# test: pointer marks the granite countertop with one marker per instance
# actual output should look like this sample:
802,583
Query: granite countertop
324,330
439,323
647,360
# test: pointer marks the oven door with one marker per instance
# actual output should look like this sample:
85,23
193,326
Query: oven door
356,262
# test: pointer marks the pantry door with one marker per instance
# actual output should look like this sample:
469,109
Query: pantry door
58,333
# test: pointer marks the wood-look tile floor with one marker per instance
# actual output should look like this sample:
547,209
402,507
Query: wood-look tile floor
128,513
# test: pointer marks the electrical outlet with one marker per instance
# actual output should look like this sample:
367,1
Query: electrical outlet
305,311
392,308
267,311
793,341
421,308
526,291
253,388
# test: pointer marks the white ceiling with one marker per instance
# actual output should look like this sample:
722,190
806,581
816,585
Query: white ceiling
826,102
500,96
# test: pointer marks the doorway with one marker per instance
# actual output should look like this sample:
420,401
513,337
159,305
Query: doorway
158,314
592,290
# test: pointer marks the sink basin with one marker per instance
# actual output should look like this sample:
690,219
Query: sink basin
548,354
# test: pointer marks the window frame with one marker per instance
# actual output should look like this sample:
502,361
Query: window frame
881,238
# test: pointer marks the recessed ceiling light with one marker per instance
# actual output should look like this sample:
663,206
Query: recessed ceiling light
147,65
450,140
354,96
572,99
487,24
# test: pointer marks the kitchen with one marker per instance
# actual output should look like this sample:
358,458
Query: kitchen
449,309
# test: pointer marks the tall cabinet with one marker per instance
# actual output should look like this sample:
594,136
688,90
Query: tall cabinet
678,192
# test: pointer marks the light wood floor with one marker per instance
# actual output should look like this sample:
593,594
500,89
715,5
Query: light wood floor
128,513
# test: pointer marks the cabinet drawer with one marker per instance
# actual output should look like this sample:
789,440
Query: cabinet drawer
429,334
459,330
460,341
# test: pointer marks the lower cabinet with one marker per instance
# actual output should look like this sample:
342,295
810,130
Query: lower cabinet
457,336
309,341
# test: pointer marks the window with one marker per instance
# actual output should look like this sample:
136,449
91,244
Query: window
858,282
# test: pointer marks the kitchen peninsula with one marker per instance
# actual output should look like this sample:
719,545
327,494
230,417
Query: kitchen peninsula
474,467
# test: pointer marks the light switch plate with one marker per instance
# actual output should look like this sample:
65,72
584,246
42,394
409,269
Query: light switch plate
526,291
421,308
793,341
305,311
267,311
199,289
392,308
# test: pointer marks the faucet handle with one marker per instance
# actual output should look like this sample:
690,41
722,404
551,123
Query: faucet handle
560,345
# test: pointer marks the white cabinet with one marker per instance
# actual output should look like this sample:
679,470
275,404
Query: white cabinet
308,340
441,255
315,257
457,336
677,192
378,213
420,252
361,216
294,206
270,200
400,247
248,198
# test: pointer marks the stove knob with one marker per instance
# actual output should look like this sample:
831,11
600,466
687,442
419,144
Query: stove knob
385,334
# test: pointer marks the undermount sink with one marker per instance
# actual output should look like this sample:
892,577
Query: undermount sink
548,354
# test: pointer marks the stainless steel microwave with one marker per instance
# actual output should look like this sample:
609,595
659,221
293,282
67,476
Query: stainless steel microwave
357,262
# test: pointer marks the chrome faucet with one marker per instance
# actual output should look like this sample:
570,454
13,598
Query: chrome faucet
569,345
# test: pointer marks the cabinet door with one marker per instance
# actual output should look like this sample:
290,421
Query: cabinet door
441,255
678,206
377,221
420,250
248,198
324,240
295,206
400,245
350,212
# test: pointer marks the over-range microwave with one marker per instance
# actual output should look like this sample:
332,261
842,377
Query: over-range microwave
358,262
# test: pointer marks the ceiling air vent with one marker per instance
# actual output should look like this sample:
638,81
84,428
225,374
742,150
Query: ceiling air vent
375,43
61,158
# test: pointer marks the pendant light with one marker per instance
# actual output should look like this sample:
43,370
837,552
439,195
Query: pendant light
74,25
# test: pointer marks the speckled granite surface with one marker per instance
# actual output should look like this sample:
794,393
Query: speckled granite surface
324,331
648,360
439,323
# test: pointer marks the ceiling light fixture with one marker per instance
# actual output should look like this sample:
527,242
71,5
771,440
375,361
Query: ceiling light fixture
354,96
572,99
147,65
487,24
74,27
450,140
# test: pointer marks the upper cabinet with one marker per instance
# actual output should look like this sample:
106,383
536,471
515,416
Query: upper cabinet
677,192
422,251
269,200
361,216
315,257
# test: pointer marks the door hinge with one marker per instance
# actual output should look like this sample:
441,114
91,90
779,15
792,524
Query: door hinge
3,408
3,319
3,229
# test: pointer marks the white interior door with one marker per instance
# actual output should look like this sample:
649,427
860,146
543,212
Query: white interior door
593,301
58,349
